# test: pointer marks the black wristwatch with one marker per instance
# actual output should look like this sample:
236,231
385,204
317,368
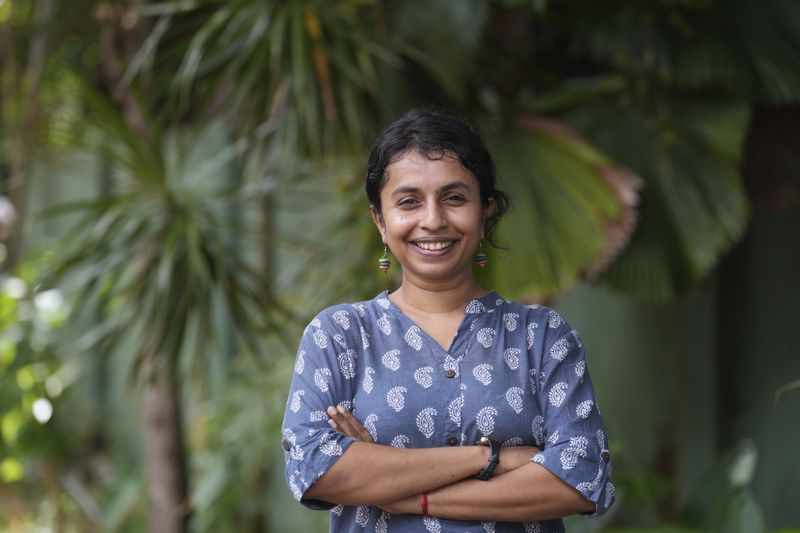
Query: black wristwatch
494,458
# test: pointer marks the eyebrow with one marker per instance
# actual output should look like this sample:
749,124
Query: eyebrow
448,187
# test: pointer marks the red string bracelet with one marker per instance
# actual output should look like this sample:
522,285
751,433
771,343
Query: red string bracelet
424,504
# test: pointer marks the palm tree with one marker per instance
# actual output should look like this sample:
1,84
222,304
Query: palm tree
585,106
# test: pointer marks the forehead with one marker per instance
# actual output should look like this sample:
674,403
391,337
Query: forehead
414,169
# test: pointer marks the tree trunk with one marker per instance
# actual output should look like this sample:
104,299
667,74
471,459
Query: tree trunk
165,464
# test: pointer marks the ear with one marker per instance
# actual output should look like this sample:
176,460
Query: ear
377,218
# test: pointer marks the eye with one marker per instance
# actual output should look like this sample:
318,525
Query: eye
407,202
455,198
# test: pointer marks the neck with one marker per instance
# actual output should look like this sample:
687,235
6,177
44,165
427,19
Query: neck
440,297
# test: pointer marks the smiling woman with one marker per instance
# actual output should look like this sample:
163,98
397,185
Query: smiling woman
441,406
431,218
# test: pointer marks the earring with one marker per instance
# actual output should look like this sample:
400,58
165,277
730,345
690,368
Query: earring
384,263
480,258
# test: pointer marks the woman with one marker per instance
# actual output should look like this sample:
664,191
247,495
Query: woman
442,406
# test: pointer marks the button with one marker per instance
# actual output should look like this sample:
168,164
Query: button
606,456
452,441
450,373
286,445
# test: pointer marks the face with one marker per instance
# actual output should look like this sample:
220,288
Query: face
431,217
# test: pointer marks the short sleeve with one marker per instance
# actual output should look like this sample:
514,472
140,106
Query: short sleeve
321,377
576,446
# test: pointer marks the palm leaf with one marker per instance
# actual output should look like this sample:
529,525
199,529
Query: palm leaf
750,48
309,65
694,205
158,259
561,206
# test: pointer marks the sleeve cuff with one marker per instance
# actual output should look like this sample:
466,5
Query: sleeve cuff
304,468
595,486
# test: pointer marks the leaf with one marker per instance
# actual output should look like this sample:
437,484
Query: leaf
694,206
561,203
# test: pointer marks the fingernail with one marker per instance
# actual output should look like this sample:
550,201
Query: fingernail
342,409
331,410
332,424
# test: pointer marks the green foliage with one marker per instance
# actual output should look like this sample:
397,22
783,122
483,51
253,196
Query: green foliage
154,261
694,206
749,48
302,70
255,116
555,230
723,501
33,377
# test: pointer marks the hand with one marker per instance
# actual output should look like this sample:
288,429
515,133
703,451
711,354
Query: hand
343,421
513,457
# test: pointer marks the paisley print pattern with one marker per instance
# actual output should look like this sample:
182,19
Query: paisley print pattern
514,373
558,394
342,318
367,384
294,405
514,399
511,357
584,409
454,409
423,376
369,425
321,376
486,337
560,349
400,441
390,360
425,423
385,325
510,321
483,373
347,364
413,338
485,420
396,398
530,334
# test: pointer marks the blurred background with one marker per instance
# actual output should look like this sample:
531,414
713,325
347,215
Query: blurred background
182,191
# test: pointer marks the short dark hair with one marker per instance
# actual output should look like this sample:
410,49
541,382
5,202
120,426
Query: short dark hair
436,134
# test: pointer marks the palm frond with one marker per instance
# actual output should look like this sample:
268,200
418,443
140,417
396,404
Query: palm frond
694,206
561,206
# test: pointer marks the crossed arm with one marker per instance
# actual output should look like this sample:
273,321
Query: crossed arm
394,478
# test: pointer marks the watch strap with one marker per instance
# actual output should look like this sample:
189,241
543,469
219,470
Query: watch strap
494,458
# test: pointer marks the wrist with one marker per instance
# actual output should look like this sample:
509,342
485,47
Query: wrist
492,460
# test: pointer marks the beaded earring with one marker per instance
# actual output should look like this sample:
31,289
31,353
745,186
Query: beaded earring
384,263
480,258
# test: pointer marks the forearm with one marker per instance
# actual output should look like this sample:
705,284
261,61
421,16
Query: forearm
527,493
370,474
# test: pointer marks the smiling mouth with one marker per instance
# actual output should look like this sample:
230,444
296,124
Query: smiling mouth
433,246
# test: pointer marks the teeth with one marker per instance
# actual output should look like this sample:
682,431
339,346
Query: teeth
433,245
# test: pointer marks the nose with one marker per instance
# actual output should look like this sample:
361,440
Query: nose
434,217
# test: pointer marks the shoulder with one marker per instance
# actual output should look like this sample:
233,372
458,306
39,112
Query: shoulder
347,318
541,315
544,325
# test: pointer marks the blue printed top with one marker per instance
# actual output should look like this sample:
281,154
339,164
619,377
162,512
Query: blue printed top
514,373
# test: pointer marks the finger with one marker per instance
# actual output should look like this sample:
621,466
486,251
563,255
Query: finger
344,425
357,427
